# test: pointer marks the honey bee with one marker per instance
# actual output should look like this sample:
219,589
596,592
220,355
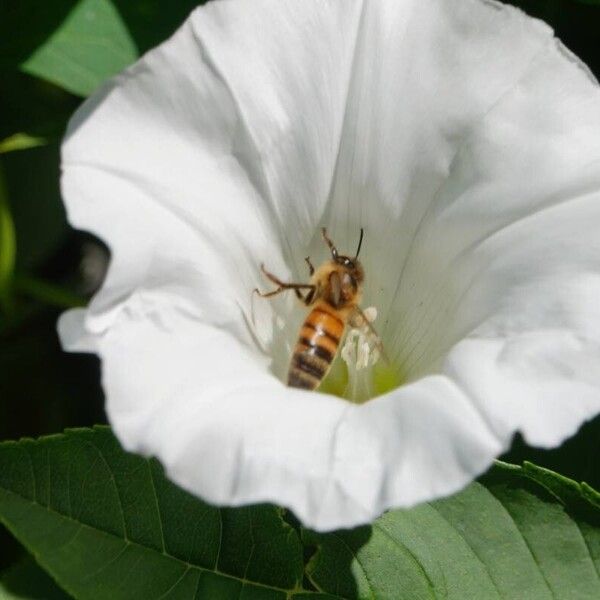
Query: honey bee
334,293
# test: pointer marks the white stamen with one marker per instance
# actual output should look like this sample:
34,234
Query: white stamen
360,350
361,347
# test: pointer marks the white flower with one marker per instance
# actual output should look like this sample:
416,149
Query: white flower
460,134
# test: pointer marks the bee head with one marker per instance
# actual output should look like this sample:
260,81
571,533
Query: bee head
352,267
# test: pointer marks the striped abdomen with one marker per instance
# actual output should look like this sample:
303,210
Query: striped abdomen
316,347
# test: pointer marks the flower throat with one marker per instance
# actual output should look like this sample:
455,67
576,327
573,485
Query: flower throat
334,293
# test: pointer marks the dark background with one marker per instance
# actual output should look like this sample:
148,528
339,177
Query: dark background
44,390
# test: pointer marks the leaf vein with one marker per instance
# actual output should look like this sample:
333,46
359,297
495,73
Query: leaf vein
219,512
430,584
107,563
114,482
175,584
528,546
587,545
474,553
139,545
158,513
358,562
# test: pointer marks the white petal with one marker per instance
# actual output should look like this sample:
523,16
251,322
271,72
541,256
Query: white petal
193,396
426,73
73,333
464,139
216,131
544,383
508,256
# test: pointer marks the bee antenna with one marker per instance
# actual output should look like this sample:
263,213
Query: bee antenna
362,231
333,249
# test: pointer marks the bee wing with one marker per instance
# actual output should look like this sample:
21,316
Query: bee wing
335,281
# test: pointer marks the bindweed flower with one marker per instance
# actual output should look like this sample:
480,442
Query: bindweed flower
464,139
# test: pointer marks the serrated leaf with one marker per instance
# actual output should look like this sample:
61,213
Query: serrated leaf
89,46
107,524
519,533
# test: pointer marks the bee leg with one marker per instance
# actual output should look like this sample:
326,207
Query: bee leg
268,294
308,299
282,286
278,281
332,248
285,287
311,269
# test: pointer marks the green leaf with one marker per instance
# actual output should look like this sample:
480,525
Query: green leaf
7,247
576,457
27,25
27,581
47,292
20,141
519,533
107,524
90,45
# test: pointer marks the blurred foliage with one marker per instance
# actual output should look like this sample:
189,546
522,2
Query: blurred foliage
51,55
90,45
25,580
32,176
63,40
7,248
20,141
32,107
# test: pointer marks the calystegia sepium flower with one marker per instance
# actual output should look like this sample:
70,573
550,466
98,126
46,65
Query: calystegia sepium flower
460,135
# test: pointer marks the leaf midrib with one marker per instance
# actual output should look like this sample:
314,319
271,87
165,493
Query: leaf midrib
129,542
